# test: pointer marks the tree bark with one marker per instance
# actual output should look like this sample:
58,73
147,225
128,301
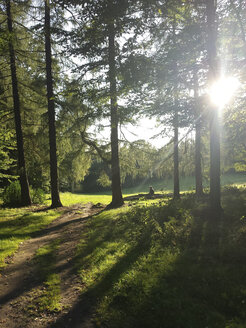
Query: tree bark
215,193
176,191
25,193
176,188
198,156
117,199
55,198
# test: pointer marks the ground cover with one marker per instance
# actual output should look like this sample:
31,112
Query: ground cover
151,263
68,198
39,282
18,225
167,265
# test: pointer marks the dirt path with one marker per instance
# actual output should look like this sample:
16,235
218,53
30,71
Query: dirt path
19,286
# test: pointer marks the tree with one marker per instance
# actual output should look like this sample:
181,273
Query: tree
215,192
117,199
55,198
6,160
96,41
25,194
168,80
198,123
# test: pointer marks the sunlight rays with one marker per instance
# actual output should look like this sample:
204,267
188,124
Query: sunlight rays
222,91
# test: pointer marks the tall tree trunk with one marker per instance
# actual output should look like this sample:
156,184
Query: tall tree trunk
25,194
198,157
55,198
176,190
117,199
215,193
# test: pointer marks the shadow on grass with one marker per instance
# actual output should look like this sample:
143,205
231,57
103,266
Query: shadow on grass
182,271
32,224
79,314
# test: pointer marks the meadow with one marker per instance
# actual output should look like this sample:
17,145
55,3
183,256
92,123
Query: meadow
149,264
186,183
167,265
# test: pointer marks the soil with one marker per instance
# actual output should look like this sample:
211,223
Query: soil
19,286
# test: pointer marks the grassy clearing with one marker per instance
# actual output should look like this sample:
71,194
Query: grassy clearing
17,225
186,184
68,198
154,264
167,265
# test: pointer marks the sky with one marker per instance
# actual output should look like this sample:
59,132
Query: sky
145,129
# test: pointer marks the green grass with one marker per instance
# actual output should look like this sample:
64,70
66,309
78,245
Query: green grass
49,299
186,184
68,198
167,265
153,264
17,225
20,224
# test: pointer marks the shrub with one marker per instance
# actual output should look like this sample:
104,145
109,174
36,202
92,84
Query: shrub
37,196
12,194
233,190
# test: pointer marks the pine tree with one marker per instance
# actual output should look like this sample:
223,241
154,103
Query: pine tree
198,127
55,198
25,194
117,199
95,39
215,192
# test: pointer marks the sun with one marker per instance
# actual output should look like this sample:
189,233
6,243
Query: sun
222,91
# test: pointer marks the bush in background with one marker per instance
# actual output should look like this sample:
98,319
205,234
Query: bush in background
37,196
12,195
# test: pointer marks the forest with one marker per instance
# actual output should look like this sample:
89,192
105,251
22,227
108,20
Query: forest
123,163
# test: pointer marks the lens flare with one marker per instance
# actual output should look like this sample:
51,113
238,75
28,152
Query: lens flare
222,91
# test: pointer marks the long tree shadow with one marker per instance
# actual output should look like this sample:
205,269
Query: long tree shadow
79,314
34,227
200,281
204,288
32,280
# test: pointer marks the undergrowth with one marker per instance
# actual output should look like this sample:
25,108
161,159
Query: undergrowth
167,265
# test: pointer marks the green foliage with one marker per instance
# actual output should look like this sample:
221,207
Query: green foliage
12,194
37,196
234,155
6,146
104,180
138,160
